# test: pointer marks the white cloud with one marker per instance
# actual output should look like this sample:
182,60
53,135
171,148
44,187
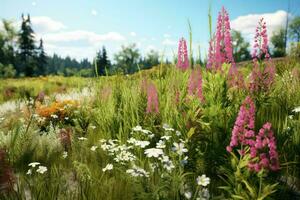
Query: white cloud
247,23
94,12
166,35
43,24
77,52
83,36
33,3
169,42
133,34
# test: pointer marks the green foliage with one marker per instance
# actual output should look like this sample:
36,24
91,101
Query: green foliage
278,41
127,59
294,28
7,71
295,50
240,47
243,184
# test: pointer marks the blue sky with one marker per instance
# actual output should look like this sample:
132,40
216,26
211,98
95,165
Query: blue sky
79,27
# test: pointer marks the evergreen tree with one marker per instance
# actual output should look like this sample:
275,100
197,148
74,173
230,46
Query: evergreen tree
103,63
27,47
42,59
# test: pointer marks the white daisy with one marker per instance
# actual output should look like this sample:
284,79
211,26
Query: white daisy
65,154
153,152
297,109
29,172
108,167
203,180
166,137
41,169
161,144
82,138
167,127
137,128
33,164
188,195
93,148
179,148
93,127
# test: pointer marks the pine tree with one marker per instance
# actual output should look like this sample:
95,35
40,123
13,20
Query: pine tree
42,59
27,47
102,62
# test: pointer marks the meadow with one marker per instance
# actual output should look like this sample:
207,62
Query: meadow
222,131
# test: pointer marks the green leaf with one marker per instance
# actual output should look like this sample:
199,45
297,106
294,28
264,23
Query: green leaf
250,189
237,197
191,133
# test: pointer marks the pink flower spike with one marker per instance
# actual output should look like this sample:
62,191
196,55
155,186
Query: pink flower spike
152,99
183,61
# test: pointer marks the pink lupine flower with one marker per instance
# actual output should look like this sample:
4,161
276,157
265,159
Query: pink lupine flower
261,79
195,84
183,61
220,51
242,132
211,55
152,99
260,48
265,149
262,146
223,42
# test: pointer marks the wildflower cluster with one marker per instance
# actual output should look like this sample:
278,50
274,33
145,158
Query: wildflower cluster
57,110
86,94
161,153
262,146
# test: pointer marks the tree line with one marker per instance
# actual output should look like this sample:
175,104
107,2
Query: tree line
22,55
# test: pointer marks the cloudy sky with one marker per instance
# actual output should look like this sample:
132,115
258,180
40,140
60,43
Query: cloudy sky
78,28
